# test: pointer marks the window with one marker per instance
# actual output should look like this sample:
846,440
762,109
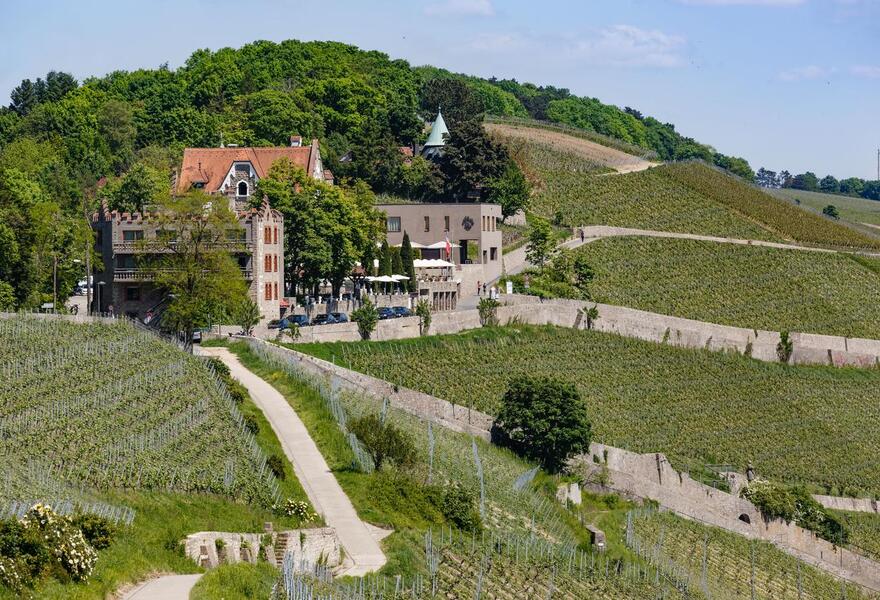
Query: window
276,234
243,167
393,224
493,253
125,261
242,188
131,235
267,235
484,256
446,223
427,223
275,263
267,295
133,293
275,288
267,264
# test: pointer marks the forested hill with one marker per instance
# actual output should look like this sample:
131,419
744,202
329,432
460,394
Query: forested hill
66,145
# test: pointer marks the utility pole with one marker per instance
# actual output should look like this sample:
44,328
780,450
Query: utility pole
55,283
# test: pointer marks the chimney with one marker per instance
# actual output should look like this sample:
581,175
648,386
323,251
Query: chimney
296,141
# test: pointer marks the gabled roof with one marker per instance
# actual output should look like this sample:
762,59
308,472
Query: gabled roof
439,131
209,166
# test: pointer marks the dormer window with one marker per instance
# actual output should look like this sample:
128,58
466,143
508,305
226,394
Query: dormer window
242,188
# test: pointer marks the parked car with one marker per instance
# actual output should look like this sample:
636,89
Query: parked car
277,324
322,319
385,313
339,317
401,311
301,320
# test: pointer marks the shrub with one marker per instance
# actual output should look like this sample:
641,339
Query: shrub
24,555
459,507
65,542
795,505
785,347
276,465
366,318
98,531
544,420
423,312
296,508
250,423
488,309
384,441
219,367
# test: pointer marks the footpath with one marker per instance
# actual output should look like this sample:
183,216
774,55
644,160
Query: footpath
324,492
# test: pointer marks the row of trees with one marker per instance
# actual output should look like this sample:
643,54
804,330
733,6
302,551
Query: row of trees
810,182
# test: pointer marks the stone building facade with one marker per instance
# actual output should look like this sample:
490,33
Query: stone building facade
228,172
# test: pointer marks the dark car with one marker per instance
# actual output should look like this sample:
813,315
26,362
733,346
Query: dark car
401,311
301,320
339,317
321,319
385,313
277,324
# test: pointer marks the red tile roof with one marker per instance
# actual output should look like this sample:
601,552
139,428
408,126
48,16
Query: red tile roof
210,165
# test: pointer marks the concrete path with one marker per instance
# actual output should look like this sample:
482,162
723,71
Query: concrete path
166,587
311,469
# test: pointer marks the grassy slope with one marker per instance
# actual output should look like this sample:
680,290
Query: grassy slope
855,210
693,405
746,286
864,532
728,560
241,581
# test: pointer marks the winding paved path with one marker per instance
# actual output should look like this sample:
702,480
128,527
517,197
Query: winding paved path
166,587
324,492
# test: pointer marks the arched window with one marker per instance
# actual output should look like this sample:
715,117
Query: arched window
242,188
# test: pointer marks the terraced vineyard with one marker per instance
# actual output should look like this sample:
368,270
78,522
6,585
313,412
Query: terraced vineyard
864,532
695,406
507,568
855,210
685,197
728,566
565,186
108,406
745,286
754,204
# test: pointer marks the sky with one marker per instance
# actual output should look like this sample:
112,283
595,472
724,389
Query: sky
787,84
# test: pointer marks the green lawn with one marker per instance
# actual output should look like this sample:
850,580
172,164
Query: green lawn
745,286
815,425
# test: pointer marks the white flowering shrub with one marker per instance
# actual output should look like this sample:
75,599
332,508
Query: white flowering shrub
296,508
11,573
65,541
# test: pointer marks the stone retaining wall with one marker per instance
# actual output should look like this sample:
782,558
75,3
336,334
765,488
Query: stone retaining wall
629,322
650,476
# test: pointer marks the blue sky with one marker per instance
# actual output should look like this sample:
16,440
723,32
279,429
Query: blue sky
785,83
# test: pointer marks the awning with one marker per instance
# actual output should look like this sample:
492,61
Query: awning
431,263
412,244
399,277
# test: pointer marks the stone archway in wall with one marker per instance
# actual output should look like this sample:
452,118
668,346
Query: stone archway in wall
745,519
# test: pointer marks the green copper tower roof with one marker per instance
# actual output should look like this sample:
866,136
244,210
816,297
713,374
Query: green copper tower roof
438,132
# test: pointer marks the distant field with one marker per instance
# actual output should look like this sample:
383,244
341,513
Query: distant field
746,286
817,425
733,562
856,210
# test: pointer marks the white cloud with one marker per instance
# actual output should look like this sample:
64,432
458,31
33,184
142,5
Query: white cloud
629,46
805,73
743,2
482,8
866,71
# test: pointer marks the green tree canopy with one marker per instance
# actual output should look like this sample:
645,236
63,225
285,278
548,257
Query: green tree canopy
544,420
